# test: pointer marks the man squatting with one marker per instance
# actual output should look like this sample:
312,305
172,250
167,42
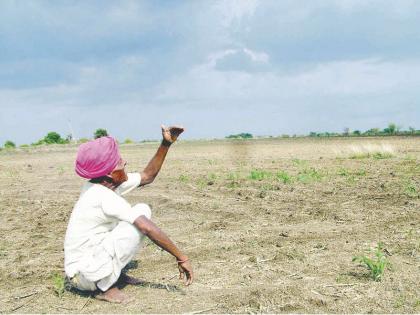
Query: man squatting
104,232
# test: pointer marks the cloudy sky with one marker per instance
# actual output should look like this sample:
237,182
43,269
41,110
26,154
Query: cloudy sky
218,68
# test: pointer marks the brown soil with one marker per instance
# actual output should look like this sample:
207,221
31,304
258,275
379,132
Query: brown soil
256,245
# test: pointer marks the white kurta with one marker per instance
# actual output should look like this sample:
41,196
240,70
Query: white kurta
101,238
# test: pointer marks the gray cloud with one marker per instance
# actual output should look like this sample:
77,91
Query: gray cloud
266,67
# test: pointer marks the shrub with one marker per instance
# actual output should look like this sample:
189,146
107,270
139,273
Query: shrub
128,141
259,175
9,145
100,133
309,175
59,284
283,177
375,265
52,137
183,178
411,190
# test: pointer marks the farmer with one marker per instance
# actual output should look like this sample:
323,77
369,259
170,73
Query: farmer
104,232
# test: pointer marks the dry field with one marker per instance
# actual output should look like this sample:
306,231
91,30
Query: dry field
270,225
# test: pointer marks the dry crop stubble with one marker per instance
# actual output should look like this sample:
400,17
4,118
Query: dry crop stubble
257,245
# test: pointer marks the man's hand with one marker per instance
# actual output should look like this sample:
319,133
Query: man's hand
170,134
186,272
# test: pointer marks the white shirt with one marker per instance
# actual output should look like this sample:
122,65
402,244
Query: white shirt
96,213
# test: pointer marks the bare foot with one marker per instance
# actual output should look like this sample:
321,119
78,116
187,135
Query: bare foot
130,280
114,295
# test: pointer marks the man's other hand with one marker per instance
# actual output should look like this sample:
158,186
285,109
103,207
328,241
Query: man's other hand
186,272
171,133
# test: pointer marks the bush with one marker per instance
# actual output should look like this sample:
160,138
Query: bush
9,145
100,133
128,141
53,137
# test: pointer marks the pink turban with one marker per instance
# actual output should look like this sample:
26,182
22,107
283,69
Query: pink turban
97,158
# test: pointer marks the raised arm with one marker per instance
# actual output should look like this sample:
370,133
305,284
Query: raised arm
169,135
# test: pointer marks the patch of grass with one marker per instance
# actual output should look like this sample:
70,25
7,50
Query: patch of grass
411,190
352,176
233,184
375,265
343,172
211,176
211,162
59,284
298,162
375,155
201,183
382,155
183,178
259,175
3,252
360,172
309,175
399,302
283,177
233,176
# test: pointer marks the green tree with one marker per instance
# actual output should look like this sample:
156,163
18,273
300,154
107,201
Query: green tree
391,129
412,130
53,137
9,145
357,133
100,133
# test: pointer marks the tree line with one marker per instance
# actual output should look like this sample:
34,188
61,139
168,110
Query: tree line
392,130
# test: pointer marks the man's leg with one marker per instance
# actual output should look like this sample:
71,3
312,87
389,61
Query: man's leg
123,244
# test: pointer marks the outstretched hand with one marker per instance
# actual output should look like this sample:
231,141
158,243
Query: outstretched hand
171,133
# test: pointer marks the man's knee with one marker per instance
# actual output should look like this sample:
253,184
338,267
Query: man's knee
144,209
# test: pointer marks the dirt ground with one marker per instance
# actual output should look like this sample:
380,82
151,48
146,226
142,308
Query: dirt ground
270,226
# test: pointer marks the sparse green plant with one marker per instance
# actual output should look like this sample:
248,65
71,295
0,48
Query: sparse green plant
343,172
411,190
360,172
211,162
382,155
259,175
298,162
399,302
128,141
183,178
201,183
59,283
61,170
24,146
375,265
309,175
283,177
212,176
232,176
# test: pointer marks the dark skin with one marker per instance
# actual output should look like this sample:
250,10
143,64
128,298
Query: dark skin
146,226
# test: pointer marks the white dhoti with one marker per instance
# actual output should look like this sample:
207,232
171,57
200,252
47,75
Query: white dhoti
102,267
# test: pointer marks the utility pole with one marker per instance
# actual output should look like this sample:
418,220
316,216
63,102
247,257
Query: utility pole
73,136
